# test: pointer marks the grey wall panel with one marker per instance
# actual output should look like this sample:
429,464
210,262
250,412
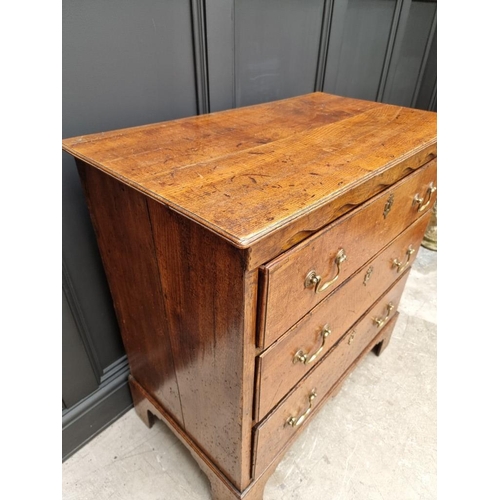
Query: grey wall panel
198,28
414,33
78,378
86,282
359,41
324,43
433,103
220,53
276,48
125,63
425,98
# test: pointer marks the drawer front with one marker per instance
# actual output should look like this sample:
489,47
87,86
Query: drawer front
290,285
289,359
276,430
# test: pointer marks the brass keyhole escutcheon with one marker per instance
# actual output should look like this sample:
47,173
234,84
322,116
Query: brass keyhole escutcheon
388,205
368,275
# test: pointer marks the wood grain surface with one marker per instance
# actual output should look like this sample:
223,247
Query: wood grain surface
123,229
210,315
276,371
361,233
248,172
207,227
187,317
273,433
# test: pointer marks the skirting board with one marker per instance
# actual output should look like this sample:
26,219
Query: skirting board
87,419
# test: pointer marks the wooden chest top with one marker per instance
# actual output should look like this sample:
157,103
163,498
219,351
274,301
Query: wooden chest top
251,172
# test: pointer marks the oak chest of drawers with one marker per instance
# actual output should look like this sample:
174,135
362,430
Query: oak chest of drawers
254,257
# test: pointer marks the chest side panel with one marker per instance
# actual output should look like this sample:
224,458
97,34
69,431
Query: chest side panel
186,309
121,222
211,308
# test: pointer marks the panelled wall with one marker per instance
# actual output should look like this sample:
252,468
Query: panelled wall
128,63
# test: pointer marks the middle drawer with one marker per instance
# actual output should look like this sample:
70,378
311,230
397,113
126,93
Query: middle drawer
284,363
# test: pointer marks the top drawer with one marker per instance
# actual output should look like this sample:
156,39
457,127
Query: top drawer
303,276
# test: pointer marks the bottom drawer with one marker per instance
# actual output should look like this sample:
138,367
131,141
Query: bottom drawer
284,422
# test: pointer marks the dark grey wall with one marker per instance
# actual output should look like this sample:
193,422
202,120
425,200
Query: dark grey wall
361,37
415,31
125,63
130,62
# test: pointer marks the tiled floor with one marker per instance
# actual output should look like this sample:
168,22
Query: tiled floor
376,440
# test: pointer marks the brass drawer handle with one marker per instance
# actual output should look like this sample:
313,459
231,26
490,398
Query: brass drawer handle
380,322
419,200
397,263
314,280
302,357
296,421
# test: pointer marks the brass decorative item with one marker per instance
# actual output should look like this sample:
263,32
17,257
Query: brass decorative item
296,421
314,280
430,240
388,205
399,264
302,357
351,337
368,275
380,322
419,200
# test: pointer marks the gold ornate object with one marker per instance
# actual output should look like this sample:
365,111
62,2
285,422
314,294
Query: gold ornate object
419,200
397,263
368,275
351,338
314,280
296,421
302,357
388,205
430,240
380,322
